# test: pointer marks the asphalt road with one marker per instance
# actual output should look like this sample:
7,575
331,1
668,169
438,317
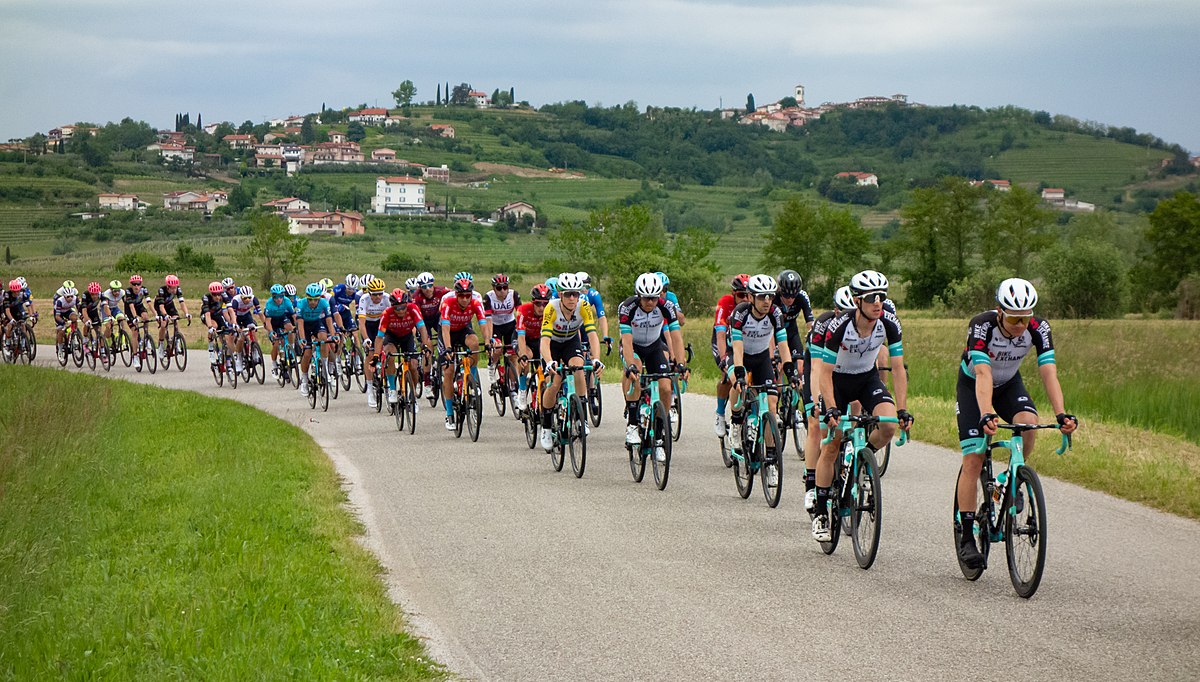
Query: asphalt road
513,571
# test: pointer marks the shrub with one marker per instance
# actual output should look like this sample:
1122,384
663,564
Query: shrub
974,293
398,262
63,247
1084,279
187,258
139,261
1188,295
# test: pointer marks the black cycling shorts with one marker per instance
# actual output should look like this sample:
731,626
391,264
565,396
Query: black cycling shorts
565,350
458,339
404,344
246,320
372,329
653,357
312,328
507,332
760,369
1008,399
867,388
806,388
276,324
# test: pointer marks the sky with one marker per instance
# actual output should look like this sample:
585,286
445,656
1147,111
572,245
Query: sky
1118,62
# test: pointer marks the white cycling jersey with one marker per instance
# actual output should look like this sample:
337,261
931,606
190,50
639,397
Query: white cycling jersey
371,311
503,309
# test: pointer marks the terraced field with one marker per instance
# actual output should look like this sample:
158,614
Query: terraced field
1090,169
16,222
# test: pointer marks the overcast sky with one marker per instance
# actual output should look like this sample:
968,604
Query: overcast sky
1120,62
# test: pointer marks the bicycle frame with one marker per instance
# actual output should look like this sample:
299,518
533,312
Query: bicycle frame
758,408
1007,479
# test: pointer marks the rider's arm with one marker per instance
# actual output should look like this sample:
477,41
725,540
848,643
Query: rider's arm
983,388
900,381
593,344
1049,372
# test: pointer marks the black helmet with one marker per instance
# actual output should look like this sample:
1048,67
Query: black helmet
790,283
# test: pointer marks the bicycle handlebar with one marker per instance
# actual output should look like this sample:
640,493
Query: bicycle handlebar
844,425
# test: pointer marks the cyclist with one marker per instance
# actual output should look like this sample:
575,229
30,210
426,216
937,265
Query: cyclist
280,317
990,388
643,318
397,331
501,303
562,321
244,307
529,335
228,288
89,306
65,308
14,306
27,294
345,296
842,303
456,331
111,310
164,307
135,309
720,344
845,372
318,325
592,296
670,297
370,307
289,290
793,301
753,327
214,313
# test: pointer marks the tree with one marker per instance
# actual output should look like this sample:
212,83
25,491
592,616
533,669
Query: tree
246,127
940,230
199,122
823,243
512,99
438,101
1084,279
273,253
308,132
1014,229
405,93
750,108
496,97
8,259
461,94
788,102
240,199
355,131
1173,239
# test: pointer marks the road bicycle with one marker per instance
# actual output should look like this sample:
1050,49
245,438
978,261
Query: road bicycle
360,375
31,336
147,350
761,449
252,355
857,493
319,381
531,416
18,342
570,424
287,364
654,429
221,364
1012,510
792,423
595,398
350,366
679,386
405,409
504,389
433,379
174,347
72,347
119,343
95,350
467,401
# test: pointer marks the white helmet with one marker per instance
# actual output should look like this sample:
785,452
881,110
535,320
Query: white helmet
648,284
569,281
352,281
585,278
411,283
62,291
868,280
227,282
1015,293
762,284
365,279
425,279
842,298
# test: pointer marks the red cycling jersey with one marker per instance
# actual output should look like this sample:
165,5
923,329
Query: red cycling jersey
457,317
400,323
529,323
432,305
725,308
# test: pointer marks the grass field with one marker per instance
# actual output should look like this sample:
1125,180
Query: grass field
137,543
1090,169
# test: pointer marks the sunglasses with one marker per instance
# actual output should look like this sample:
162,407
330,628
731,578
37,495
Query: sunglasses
376,293
500,287
874,297
650,298
569,294
742,295
1018,319
763,297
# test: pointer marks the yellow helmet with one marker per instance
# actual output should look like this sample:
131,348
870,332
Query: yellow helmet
327,285
376,285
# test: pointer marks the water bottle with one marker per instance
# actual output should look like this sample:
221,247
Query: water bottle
751,428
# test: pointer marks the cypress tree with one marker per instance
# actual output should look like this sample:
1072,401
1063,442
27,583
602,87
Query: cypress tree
438,101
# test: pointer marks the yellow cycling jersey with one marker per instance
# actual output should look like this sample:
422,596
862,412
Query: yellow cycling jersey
560,328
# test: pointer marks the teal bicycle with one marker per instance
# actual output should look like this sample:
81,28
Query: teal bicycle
319,377
287,369
570,425
1012,510
857,493
761,449
654,428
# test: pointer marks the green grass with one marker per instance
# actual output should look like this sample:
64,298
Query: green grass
1090,169
154,534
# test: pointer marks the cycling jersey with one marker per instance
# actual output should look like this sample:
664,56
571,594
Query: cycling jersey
430,305
65,305
166,298
343,296
529,323
450,296
756,333
802,305
215,305
244,305
370,310
283,308
113,298
561,329
457,317
852,354
15,304
311,313
400,322
987,345
135,301
816,335
646,328
593,298
503,310
91,305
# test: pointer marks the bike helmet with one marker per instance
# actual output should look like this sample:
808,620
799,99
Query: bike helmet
569,281
552,284
171,281
15,286
585,278
762,284
648,285
500,280
68,284
790,283
352,281
246,291
375,286
842,298
93,288
135,279
72,292
540,292
215,288
289,289
425,279
462,285
227,283
740,282
277,290
326,284
464,275
412,284
60,292
868,280
25,283
314,290
398,296
1015,293
364,278
116,284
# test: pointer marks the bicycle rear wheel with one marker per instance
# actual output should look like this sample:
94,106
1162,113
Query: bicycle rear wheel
885,455
181,356
676,413
218,373
637,457
474,407
31,344
333,366
834,510
663,430
400,412
124,348
360,375
799,429
577,436
106,358
558,452
63,352
1025,533
595,399
346,367
771,471
981,530
75,343
231,370
410,404
151,352
314,385
498,398
530,420
866,516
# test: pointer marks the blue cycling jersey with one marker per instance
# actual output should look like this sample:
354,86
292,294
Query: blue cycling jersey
283,308
316,313
343,296
670,296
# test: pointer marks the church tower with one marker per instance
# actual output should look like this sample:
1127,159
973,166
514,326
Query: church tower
800,95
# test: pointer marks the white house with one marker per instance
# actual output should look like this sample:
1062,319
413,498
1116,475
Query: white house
384,154
442,130
369,116
170,151
1054,195
860,179
479,100
188,200
399,195
239,141
287,204
519,209
121,202
338,223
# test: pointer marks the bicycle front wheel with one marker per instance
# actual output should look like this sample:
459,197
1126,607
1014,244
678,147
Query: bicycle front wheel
75,343
771,471
181,356
124,348
885,456
474,407
410,404
31,340
498,398
981,529
325,384
531,428
663,430
577,438
676,413
256,360
866,516
218,374
595,402
151,353
743,474
314,385
799,429
1025,533
558,452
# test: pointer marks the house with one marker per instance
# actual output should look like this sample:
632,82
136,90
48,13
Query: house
340,223
860,179
777,121
239,141
336,152
384,155
121,202
1054,195
287,205
998,185
292,132
211,128
394,120
730,113
479,100
170,151
277,122
268,159
338,137
441,174
297,121
172,136
442,130
1080,206
399,195
369,116
518,209
188,200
